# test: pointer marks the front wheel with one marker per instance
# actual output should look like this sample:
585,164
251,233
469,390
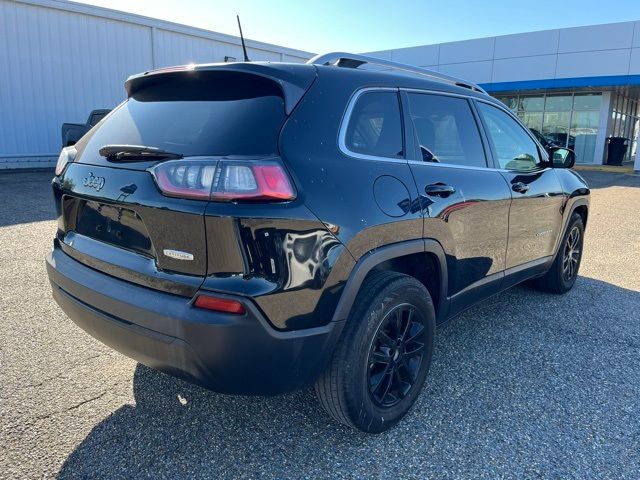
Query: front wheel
564,270
382,360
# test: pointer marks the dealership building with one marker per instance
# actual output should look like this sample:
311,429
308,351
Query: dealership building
578,87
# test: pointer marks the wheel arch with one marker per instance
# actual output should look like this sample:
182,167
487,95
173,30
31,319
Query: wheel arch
583,210
579,206
381,257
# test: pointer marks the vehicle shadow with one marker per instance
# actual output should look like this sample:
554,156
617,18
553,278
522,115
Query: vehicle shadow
525,384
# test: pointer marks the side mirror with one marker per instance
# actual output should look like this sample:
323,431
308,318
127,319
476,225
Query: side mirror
427,155
562,157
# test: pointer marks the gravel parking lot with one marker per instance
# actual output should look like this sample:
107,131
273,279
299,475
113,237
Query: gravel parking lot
525,385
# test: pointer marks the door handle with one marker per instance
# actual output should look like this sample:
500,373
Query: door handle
439,190
520,187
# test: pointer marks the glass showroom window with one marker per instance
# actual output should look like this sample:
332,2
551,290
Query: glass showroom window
531,111
567,119
557,117
625,122
584,125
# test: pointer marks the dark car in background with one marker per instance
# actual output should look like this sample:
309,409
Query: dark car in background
259,228
546,143
72,132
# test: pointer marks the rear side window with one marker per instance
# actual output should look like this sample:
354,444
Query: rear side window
202,113
446,129
375,127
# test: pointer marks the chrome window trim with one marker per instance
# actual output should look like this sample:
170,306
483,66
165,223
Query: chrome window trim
452,165
346,117
354,98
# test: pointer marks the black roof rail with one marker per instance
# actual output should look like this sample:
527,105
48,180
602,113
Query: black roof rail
350,60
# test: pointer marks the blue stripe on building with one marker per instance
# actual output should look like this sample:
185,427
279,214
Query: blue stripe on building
557,83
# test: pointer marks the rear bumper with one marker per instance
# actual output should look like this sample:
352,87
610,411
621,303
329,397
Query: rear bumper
240,354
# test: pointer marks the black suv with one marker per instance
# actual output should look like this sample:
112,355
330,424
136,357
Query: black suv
258,228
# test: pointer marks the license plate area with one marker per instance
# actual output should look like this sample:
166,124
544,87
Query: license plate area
111,224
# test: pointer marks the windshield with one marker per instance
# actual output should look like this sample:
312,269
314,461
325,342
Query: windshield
223,114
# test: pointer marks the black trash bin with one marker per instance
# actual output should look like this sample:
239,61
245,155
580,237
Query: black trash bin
616,149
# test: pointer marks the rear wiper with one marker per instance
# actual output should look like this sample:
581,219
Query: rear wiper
135,152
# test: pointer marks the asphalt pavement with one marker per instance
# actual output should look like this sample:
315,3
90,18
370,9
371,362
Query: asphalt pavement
524,385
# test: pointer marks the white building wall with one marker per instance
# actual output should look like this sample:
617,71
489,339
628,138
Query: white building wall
599,50
59,60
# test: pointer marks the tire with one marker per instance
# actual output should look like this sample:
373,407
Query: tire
374,376
562,275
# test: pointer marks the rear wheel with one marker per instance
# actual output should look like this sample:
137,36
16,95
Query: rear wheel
382,360
564,271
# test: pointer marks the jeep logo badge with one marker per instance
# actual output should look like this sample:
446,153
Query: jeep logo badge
94,182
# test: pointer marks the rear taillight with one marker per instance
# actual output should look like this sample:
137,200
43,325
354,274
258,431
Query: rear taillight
224,179
67,155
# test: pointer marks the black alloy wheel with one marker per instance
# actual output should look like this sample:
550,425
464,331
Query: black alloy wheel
395,355
563,273
381,362
571,254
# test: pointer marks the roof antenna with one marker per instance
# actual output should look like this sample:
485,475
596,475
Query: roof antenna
244,48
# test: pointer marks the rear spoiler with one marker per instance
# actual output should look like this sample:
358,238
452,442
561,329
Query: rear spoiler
293,79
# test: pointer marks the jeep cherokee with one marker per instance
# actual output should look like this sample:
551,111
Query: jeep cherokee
258,228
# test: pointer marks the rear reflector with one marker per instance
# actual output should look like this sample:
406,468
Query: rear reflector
224,179
219,305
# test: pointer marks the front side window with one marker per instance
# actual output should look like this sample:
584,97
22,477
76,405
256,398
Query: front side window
375,127
446,130
514,148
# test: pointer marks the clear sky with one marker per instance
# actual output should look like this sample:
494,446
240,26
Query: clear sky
369,25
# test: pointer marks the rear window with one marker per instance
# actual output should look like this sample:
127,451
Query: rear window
198,113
